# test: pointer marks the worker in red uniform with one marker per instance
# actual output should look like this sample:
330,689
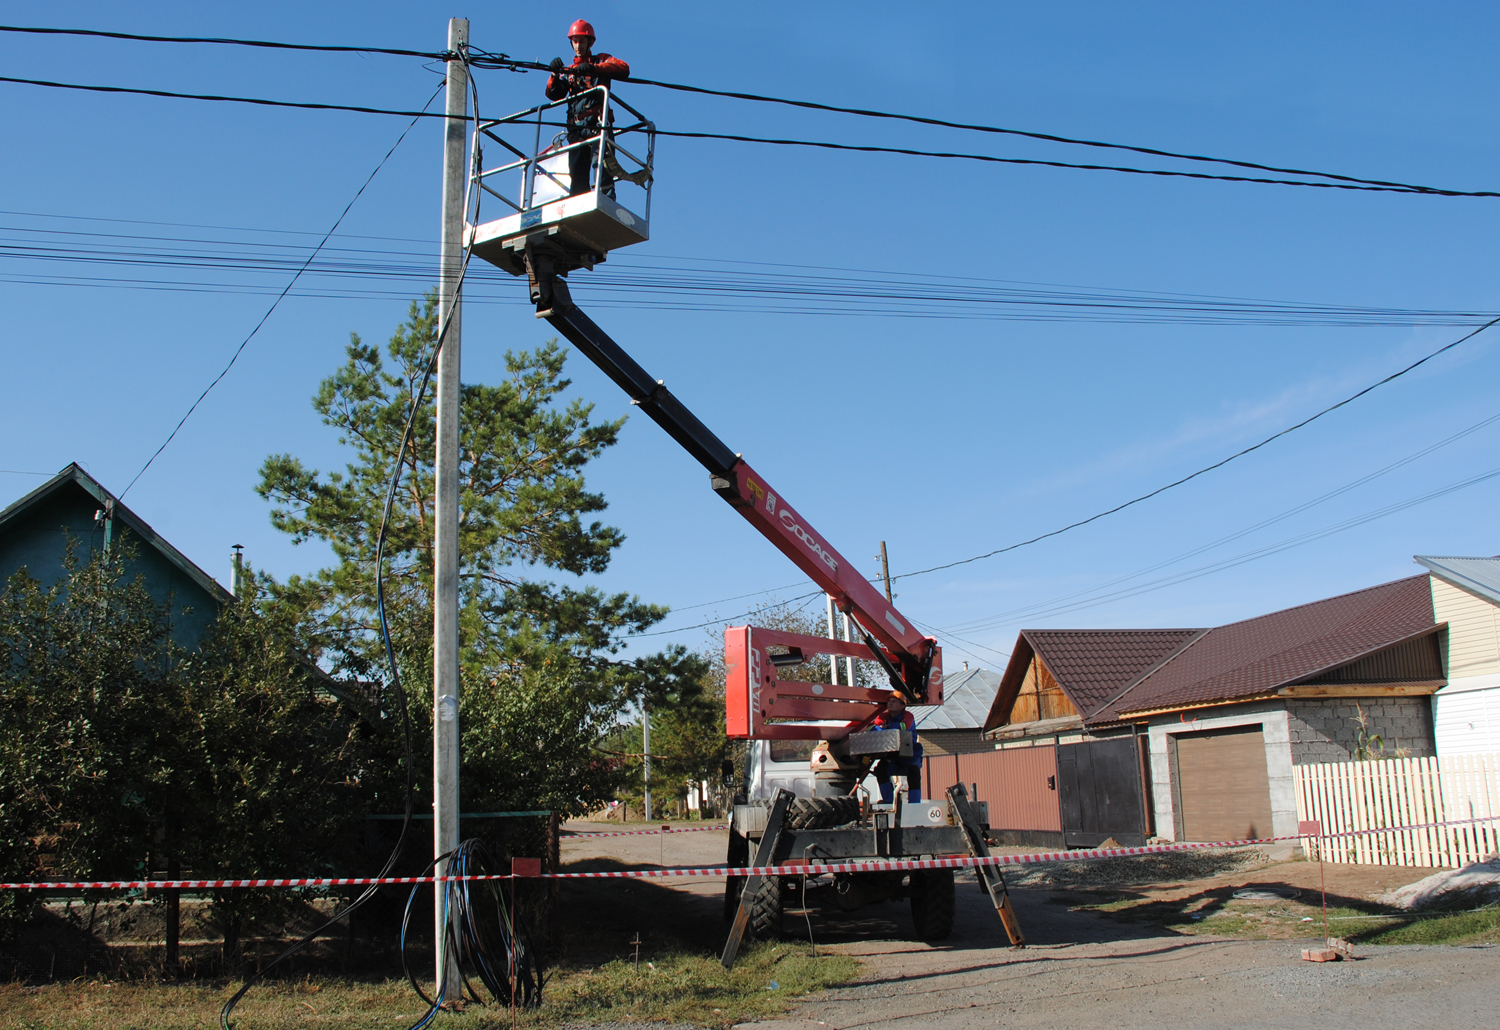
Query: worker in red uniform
586,109
894,716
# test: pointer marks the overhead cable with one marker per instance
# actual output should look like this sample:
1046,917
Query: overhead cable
279,297
220,99
1349,183
1207,468
430,55
1048,137
681,284
822,145
1066,602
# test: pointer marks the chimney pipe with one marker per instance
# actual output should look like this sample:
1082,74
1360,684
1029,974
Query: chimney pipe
237,570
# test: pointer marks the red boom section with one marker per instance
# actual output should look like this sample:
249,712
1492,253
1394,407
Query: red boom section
759,705
747,491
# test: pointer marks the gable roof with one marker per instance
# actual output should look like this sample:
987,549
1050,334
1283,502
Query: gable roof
1256,657
966,699
1092,666
75,477
1479,576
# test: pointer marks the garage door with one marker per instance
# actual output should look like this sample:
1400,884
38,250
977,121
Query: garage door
1222,784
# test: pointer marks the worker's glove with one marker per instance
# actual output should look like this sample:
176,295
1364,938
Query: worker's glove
557,66
582,69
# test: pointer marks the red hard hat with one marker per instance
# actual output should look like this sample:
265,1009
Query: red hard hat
580,28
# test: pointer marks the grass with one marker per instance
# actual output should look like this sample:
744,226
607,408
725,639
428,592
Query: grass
592,978
680,988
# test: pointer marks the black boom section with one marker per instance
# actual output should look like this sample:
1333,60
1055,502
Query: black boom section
652,397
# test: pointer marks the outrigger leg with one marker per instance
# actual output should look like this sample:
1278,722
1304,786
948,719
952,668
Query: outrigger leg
990,877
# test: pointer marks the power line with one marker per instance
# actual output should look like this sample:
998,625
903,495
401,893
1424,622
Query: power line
275,303
820,145
1059,604
432,56
1049,137
220,99
668,282
1273,548
481,58
1208,468
1350,184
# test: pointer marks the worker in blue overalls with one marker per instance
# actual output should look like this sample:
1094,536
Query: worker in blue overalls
586,110
895,716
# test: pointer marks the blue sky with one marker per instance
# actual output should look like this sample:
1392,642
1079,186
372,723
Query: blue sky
946,437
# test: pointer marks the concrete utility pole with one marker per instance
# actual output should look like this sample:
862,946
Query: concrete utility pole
885,572
646,756
445,685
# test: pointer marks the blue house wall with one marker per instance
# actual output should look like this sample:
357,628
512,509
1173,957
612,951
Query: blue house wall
37,530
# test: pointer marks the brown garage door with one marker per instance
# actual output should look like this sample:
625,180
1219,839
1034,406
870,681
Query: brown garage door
1221,777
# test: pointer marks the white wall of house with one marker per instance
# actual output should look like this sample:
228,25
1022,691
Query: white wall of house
1466,712
1275,729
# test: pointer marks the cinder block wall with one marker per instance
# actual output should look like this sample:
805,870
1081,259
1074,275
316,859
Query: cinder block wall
1327,729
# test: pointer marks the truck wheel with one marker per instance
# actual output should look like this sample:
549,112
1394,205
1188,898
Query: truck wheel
818,813
932,902
765,910
739,855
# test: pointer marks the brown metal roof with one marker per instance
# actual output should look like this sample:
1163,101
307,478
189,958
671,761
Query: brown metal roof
1092,666
1257,656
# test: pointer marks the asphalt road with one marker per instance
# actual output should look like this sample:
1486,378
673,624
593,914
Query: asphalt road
1082,971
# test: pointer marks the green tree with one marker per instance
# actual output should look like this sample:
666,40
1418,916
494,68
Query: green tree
539,684
282,760
97,733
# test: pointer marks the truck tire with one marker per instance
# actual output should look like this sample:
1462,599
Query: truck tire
739,855
932,903
817,813
765,910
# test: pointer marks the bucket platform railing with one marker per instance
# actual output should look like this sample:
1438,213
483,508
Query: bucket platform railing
533,182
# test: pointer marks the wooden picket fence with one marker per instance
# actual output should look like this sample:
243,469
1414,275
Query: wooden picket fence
1391,792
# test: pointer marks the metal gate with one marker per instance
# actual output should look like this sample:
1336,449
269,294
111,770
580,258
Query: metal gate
1099,792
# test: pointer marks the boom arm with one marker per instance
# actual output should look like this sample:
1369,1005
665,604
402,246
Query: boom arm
911,660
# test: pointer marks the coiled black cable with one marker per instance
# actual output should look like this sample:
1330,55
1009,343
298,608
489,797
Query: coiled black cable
483,937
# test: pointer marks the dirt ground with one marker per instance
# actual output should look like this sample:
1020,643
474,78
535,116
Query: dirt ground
1102,972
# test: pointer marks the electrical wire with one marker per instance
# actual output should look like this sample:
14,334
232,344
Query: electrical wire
261,102
1347,183
395,855
279,298
432,56
1050,138
1058,604
824,145
677,283
482,934
484,59
1277,547
1207,468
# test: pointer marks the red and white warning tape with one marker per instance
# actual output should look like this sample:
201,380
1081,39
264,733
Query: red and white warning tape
897,865
639,833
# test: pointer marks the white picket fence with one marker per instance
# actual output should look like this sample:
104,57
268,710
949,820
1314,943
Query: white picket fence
1352,796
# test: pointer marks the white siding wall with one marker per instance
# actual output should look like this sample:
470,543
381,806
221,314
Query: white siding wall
1466,716
1466,712
1473,631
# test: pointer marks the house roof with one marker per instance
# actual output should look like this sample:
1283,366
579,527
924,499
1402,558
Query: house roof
1092,666
73,475
1256,657
966,700
1479,576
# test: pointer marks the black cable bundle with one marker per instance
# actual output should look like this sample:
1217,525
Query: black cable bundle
483,938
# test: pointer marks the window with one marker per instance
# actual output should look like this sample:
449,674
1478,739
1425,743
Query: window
792,750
